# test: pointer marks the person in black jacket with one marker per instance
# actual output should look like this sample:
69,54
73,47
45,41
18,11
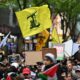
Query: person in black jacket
49,61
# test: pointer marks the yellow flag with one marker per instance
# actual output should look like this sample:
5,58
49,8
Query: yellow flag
34,20
42,39
55,37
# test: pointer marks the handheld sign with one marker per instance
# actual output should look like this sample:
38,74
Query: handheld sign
60,51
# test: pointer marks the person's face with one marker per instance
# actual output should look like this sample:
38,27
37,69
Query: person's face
5,61
69,65
1,68
78,74
47,61
26,76
68,77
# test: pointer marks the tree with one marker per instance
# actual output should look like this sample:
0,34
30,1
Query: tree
67,9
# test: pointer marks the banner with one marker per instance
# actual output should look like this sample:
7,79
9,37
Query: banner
60,51
34,20
49,50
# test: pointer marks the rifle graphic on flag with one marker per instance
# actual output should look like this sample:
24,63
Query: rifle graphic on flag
34,20
3,42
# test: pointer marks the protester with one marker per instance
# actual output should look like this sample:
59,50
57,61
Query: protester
1,70
27,73
68,76
78,74
67,70
49,61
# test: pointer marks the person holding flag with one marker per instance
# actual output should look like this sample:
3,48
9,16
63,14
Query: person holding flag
50,68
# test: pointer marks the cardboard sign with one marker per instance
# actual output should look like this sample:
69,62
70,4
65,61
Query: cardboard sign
14,58
60,51
32,57
49,50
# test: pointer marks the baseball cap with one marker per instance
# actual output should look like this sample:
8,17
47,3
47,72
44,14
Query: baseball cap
26,71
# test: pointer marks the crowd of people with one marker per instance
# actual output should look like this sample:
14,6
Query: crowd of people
69,69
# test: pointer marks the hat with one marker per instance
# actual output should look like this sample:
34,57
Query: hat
16,65
26,71
51,56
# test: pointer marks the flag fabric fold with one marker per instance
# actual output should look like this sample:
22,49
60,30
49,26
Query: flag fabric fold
42,76
34,20
42,39
49,73
55,37
8,78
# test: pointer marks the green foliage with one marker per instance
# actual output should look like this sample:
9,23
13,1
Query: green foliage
9,3
69,9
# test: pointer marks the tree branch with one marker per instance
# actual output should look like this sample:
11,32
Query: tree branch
24,4
19,4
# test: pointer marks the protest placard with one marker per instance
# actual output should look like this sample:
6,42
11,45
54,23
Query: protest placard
60,51
49,50
32,57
